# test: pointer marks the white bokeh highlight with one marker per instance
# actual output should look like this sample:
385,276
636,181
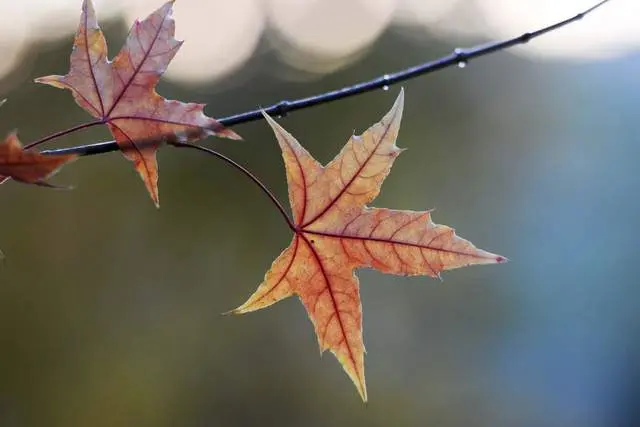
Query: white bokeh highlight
221,35
610,31
330,28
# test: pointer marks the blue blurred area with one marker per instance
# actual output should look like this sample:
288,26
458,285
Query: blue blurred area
110,309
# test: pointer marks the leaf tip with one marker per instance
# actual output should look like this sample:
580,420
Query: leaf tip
491,258
393,118
362,391
228,133
57,187
275,126
266,116
501,259
153,192
166,9
242,309
12,139
237,310
53,80
399,103
152,188
89,11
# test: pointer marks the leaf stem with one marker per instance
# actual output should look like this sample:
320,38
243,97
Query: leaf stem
282,108
245,171
63,133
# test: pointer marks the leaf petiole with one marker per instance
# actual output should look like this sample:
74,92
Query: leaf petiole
243,170
64,132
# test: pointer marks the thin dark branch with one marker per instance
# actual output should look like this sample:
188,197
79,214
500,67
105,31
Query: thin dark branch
245,171
457,57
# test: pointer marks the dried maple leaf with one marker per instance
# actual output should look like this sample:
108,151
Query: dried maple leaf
121,93
29,167
335,233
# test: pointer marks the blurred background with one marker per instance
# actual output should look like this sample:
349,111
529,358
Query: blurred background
110,310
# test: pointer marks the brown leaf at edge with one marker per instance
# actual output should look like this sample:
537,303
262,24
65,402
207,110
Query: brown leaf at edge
29,167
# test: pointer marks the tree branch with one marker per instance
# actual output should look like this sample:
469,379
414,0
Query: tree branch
458,57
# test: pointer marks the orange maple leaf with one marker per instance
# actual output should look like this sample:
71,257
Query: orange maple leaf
121,93
29,167
335,233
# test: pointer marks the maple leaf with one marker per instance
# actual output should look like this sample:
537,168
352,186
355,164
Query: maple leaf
121,93
29,167
336,233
